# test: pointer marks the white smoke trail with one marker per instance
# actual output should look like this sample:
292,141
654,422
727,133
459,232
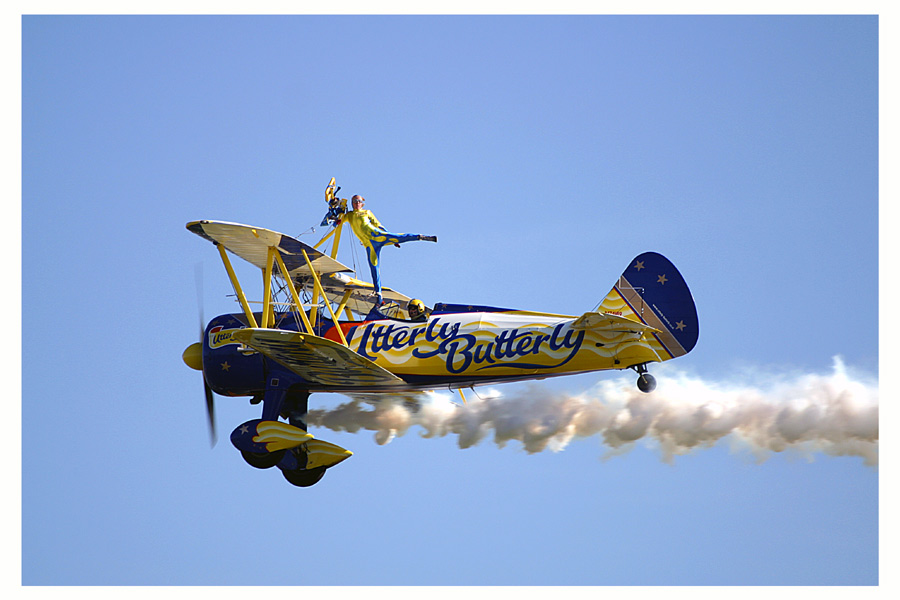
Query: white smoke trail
836,414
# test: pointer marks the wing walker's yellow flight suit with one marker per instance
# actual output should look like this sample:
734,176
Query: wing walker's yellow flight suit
374,237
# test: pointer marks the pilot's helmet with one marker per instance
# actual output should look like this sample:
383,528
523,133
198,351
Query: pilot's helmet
415,308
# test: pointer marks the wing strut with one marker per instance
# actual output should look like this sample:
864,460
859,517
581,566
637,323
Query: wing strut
320,290
294,294
343,305
336,232
268,319
237,286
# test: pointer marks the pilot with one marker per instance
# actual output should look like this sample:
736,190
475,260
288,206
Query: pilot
374,237
416,310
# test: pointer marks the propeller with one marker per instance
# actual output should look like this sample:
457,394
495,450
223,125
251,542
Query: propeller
211,413
207,391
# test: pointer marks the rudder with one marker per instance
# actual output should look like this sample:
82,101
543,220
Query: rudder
652,291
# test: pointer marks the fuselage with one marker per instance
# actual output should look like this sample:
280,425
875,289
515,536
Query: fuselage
448,350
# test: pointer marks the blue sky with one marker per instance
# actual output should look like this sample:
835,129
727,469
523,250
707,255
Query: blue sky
545,152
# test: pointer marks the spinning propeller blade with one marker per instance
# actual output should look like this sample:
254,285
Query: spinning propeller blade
210,412
207,391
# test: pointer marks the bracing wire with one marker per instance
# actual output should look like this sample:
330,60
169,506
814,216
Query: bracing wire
353,251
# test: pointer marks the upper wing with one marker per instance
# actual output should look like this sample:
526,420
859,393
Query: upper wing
317,359
253,243
361,298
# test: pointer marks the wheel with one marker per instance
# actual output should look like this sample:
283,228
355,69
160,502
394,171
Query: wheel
304,477
264,460
646,383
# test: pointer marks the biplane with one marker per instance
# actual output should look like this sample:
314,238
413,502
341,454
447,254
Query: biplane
319,329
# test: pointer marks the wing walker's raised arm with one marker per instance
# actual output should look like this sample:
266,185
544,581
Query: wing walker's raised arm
336,208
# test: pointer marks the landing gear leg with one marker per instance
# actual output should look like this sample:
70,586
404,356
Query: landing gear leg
645,382
294,409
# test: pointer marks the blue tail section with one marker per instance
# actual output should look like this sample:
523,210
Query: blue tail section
653,290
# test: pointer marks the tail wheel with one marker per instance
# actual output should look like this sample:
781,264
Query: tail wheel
304,477
646,383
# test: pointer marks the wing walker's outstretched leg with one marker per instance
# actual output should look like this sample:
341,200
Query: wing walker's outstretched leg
372,234
379,241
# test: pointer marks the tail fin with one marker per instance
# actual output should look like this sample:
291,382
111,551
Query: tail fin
652,291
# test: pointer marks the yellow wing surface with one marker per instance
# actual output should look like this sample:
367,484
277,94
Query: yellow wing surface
359,294
253,243
317,359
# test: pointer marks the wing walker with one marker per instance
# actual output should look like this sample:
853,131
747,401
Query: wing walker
317,328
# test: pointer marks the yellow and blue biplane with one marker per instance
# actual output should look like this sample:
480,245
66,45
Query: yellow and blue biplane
319,329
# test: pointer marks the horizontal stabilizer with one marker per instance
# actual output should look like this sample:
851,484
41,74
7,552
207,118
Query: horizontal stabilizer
610,323
317,360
